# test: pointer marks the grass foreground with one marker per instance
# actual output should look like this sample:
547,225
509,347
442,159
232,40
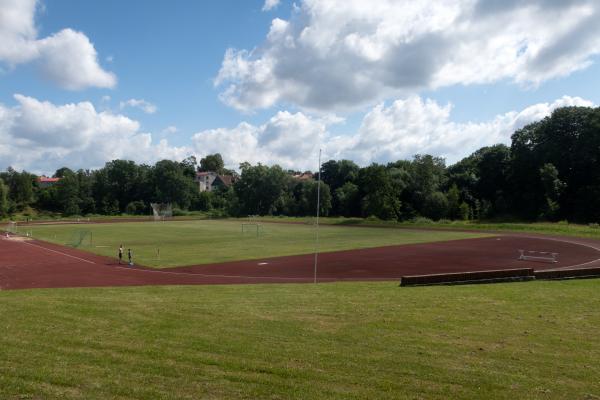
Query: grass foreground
332,341
178,243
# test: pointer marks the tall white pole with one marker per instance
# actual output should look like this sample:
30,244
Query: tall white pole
318,211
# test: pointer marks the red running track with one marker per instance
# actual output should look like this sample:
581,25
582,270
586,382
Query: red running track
35,264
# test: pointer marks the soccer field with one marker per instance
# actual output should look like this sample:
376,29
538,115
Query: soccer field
178,243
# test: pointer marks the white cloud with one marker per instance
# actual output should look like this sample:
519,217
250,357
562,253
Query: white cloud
67,57
342,54
142,104
398,131
416,126
170,130
290,140
17,31
41,137
270,5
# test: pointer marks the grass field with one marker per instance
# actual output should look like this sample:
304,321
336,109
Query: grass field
547,228
334,341
210,241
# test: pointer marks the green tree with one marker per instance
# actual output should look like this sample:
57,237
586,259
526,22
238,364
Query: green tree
261,189
67,193
436,206
380,196
553,187
20,187
305,198
3,198
427,176
454,204
348,198
171,185
212,162
190,166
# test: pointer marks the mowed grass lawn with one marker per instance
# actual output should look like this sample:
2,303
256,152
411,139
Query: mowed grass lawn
535,340
201,242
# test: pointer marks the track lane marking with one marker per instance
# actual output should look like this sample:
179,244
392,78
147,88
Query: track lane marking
60,252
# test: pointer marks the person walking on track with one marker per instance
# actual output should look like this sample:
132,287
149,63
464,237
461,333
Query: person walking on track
120,253
130,256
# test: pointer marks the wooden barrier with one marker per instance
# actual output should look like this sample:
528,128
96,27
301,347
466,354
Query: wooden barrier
568,273
455,278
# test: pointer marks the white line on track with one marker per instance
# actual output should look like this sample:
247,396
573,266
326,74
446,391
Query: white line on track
570,242
59,252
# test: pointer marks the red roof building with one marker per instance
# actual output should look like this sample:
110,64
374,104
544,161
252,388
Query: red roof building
44,181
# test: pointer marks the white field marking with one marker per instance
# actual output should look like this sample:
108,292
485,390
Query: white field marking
60,252
570,242
262,263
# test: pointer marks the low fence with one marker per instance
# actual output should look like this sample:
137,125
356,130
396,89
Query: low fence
568,273
501,275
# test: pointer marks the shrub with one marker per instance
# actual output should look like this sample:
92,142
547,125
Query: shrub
421,221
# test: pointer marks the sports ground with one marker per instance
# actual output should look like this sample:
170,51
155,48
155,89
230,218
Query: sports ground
164,330
220,252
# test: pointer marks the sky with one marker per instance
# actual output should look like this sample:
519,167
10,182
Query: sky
274,81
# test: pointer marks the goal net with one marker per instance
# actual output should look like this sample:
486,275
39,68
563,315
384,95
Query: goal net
252,225
12,227
161,211
80,238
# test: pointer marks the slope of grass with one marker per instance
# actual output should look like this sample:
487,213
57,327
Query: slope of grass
331,341
200,242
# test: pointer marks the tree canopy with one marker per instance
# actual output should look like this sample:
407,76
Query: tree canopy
550,171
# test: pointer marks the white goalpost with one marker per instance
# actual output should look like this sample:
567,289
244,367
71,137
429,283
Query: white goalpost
162,211
253,224
12,227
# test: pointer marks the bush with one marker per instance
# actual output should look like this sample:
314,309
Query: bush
421,221
436,206
178,212
136,208
464,211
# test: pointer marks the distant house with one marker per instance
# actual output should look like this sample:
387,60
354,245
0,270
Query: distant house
209,180
44,181
306,176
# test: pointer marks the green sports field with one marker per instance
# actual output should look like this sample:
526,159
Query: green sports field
533,340
177,243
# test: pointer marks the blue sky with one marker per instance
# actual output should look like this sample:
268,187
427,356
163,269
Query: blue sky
82,83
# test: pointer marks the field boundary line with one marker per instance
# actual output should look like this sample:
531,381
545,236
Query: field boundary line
60,252
570,242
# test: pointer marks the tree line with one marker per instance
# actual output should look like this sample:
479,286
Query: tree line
551,171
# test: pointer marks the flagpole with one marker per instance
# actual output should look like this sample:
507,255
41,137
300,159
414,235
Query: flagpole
318,211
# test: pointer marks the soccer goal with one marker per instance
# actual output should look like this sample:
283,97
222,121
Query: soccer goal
162,211
80,238
12,227
252,226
